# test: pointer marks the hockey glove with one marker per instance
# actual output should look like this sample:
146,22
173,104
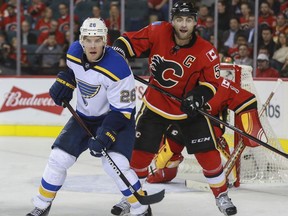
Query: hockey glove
103,140
63,87
191,104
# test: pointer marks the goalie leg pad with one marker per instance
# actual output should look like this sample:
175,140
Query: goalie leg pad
167,173
162,175
140,161
249,122
163,156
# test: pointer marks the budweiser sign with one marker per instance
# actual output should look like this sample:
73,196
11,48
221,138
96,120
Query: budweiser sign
20,99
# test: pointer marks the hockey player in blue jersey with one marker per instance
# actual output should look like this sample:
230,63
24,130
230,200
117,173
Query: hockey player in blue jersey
105,90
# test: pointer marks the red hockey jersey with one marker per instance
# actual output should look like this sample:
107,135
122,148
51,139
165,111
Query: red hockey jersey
175,69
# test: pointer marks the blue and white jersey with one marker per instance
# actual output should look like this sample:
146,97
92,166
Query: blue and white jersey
105,85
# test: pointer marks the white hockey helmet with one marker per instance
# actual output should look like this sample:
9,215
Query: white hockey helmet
93,27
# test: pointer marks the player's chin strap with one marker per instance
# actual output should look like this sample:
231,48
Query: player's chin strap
144,200
215,119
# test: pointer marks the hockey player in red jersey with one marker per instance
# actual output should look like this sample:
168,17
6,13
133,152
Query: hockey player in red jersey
165,164
186,66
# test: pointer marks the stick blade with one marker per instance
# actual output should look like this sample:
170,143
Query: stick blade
150,199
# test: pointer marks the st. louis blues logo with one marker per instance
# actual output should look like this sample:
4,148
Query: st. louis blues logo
165,72
87,90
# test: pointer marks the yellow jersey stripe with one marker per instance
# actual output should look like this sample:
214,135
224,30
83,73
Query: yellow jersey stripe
245,105
73,58
107,72
130,50
127,115
210,86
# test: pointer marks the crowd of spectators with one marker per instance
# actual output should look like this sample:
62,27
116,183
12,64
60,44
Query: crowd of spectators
45,30
236,29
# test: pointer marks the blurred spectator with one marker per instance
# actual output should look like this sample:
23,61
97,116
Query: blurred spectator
281,52
263,67
13,3
274,5
53,28
113,23
157,10
36,9
211,39
284,8
284,69
245,14
263,50
9,22
244,54
250,30
66,45
64,19
10,55
13,55
266,39
240,39
27,37
281,25
230,35
76,30
50,52
114,19
96,11
234,7
209,29
223,16
203,13
266,16
44,22
3,48
4,57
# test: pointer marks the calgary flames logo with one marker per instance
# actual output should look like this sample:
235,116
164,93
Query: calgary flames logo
165,71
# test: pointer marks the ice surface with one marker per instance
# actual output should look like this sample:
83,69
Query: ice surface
88,191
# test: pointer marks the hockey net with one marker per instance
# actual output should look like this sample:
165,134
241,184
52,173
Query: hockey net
257,165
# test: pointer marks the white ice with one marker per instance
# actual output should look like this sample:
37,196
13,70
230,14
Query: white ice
89,191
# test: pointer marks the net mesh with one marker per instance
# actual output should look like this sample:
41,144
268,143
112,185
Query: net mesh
256,164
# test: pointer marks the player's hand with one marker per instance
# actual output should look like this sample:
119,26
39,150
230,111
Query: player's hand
62,88
191,104
105,137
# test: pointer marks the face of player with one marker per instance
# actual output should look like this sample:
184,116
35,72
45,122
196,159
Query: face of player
93,47
183,26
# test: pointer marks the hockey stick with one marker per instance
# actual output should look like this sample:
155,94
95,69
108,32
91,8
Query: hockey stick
144,200
236,153
215,119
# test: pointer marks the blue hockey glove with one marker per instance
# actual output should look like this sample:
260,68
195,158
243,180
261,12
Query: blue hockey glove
105,137
63,87
191,104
